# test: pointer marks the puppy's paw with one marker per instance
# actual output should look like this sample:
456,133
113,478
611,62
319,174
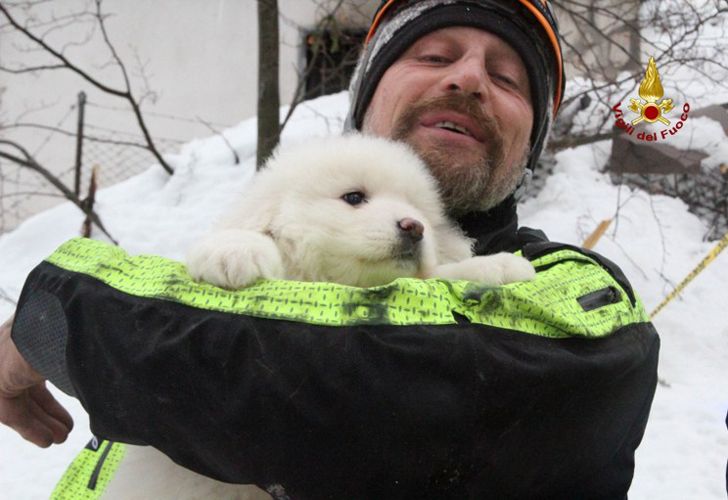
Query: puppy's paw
497,269
234,259
508,268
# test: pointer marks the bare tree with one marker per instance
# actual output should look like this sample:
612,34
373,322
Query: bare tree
34,37
606,46
268,91
326,44
24,159
59,61
333,51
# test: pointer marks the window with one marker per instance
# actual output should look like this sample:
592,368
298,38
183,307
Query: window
331,57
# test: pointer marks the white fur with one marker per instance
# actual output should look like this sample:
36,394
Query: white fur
292,223
146,473
295,204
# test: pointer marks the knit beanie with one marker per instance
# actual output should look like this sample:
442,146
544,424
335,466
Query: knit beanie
528,26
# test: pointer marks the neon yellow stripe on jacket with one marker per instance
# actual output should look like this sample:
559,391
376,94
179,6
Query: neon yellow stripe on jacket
546,306
90,472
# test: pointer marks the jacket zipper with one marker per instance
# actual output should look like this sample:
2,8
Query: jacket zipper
599,298
93,480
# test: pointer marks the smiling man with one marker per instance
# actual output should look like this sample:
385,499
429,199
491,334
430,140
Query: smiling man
460,97
536,391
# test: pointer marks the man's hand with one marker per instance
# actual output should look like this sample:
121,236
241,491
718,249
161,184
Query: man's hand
26,405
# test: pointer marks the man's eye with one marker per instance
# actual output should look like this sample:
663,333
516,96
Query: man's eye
506,80
433,58
354,198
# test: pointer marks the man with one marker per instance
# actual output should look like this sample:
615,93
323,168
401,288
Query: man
490,404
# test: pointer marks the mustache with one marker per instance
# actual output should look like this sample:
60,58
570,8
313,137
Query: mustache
487,126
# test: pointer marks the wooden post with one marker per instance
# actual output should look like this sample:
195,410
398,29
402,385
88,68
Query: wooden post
268,98
596,235
79,143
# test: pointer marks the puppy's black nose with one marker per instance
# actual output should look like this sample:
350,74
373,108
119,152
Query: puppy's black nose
412,229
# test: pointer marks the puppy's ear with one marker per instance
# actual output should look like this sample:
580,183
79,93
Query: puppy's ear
258,208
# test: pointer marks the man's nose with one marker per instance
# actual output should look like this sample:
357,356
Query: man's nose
468,76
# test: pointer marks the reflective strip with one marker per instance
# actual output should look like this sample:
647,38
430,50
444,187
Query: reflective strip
90,472
547,306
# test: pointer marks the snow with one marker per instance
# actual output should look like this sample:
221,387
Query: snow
654,239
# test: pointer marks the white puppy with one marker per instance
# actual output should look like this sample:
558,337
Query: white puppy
353,210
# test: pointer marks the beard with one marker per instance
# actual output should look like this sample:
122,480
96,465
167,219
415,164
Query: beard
469,181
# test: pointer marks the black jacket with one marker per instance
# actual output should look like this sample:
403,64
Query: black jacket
367,409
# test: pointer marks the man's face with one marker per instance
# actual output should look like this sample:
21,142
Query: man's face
461,98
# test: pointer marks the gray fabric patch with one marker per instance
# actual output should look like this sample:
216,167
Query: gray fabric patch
40,332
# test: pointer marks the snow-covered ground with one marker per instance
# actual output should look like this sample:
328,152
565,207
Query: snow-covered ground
654,239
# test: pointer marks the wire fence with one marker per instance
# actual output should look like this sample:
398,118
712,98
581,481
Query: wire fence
116,155
22,194
117,162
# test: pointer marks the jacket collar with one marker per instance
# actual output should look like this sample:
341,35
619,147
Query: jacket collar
494,230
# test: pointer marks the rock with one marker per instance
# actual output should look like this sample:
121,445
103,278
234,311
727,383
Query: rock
717,112
638,157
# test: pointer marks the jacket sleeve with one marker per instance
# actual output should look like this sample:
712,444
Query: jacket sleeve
415,389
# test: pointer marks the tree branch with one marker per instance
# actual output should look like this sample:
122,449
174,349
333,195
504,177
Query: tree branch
29,162
31,69
299,94
66,63
134,105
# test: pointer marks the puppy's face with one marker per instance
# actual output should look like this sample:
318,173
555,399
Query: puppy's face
354,234
360,213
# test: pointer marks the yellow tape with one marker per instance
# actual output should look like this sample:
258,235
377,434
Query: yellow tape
690,277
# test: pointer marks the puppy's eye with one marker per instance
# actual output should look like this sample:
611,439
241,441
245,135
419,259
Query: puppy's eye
354,198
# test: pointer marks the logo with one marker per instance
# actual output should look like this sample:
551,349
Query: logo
650,108
94,444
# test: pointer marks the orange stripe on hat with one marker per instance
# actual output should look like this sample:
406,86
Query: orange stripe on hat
541,19
377,19
555,43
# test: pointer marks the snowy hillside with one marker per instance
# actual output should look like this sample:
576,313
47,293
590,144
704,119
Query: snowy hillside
655,240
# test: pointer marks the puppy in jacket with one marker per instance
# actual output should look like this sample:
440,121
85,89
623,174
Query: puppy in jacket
354,210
